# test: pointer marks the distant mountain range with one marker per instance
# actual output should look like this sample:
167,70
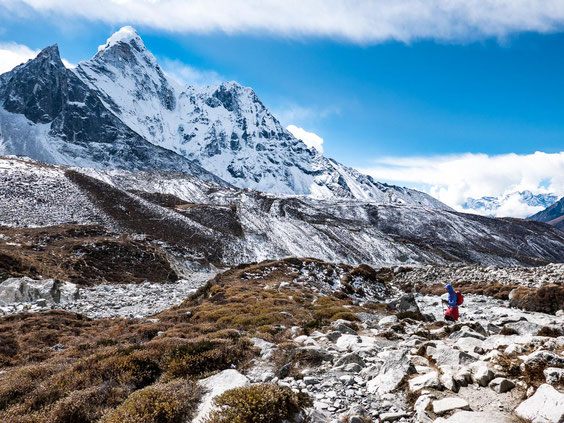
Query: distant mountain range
553,215
120,110
516,204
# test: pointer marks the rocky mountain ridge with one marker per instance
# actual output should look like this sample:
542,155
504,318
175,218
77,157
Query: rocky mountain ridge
222,225
553,215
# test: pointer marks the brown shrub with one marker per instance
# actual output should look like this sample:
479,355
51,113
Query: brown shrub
262,403
86,406
546,299
172,402
551,332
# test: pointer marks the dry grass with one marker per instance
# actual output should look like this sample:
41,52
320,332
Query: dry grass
119,369
546,299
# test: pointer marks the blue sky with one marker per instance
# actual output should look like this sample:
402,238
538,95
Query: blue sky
378,99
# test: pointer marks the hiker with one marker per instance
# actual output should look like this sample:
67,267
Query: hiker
454,300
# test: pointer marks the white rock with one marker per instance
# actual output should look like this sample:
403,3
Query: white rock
395,369
545,406
18,290
553,374
388,320
429,380
392,417
216,385
355,343
445,405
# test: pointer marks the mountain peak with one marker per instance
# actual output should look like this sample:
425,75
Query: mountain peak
50,53
127,35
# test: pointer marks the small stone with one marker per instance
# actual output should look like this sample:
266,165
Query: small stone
388,321
482,376
352,368
347,379
501,385
392,417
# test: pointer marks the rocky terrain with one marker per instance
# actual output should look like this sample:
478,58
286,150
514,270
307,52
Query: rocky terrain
353,344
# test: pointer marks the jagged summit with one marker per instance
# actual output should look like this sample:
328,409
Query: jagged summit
52,53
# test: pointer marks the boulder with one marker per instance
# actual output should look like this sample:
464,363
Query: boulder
420,408
349,342
405,303
449,356
216,385
350,358
545,406
544,358
466,332
501,385
445,405
396,367
448,381
342,327
524,328
23,290
429,380
388,321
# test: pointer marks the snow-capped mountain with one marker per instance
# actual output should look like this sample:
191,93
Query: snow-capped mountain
553,215
516,204
225,128
49,114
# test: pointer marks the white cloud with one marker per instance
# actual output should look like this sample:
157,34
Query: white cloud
13,54
363,21
454,178
295,113
311,139
190,75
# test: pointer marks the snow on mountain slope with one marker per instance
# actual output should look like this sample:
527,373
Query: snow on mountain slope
49,114
553,215
225,128
516,204
208,222
35,194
